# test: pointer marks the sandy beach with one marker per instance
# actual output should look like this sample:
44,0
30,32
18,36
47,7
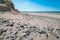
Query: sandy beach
29,26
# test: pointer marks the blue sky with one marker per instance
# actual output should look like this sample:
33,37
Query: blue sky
37,5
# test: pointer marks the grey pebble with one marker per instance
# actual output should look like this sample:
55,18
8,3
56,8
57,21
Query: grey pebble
20,38
30,38
2,30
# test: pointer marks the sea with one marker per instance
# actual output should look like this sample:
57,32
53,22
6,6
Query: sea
47,12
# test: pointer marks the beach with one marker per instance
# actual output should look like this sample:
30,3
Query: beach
29,26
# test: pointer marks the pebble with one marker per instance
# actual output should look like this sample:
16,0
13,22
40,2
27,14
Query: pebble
27,34
2,31
1,20
25,28
30,38
20,38
16,33
11,24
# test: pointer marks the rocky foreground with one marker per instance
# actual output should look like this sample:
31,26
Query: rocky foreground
21,26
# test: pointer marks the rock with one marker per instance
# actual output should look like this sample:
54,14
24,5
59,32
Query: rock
1,20
20,38
5,30
47,36
57,37
2,31
27,34
14,36
4,34
30,38
22,26
1,38
34,29
16,33
11,37
7,37
5,21
11,24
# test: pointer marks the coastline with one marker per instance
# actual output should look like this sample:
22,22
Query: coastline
45,14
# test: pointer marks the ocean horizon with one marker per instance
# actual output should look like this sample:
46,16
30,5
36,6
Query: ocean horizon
47,12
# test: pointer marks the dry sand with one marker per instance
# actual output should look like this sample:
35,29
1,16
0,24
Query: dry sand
49,23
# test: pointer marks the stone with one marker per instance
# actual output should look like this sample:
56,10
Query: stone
5,21
57,37
30,38
27,34
1,20
1,31
11,24
11,37
16,33
20,38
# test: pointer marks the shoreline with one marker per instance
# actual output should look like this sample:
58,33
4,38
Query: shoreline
44,14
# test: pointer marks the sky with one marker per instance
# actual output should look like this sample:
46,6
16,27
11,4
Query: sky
37,5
